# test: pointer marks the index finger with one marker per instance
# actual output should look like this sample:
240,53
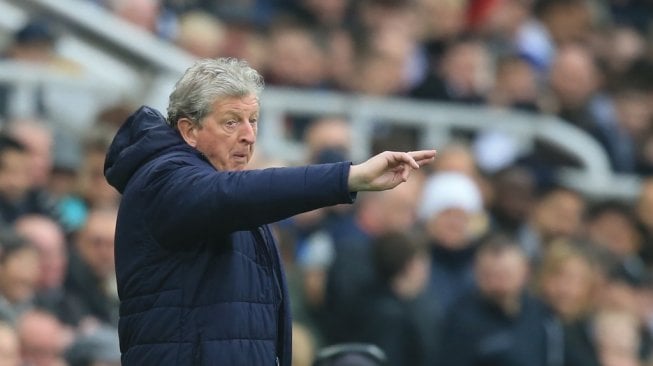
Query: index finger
422,156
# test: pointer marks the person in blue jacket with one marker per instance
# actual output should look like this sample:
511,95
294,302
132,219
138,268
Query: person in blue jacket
199,274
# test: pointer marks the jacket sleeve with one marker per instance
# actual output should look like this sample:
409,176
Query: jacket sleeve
183,199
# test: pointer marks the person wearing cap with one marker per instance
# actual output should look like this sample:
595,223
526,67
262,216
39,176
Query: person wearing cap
450,204
199,274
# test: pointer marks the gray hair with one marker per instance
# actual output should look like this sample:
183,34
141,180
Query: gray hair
205,82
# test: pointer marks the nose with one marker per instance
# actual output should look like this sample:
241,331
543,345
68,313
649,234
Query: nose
248,133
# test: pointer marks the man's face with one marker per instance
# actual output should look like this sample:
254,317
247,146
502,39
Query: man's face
228,134
95,243
14,175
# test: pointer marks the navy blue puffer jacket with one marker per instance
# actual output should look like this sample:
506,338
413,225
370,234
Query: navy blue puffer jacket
199,275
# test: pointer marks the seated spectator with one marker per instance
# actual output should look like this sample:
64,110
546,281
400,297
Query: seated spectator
17,195
42,339
575,83
48,238
449,206
613,226
464,74
568,282
500,323
19,274
201,34
352,270
91,274
38,140
558,213
9,346
514,199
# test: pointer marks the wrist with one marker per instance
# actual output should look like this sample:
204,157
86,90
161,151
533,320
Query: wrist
354,179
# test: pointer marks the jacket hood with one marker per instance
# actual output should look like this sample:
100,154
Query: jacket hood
144,136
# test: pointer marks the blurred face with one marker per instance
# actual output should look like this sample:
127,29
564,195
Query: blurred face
295,59
514,196
559,214
95,243
39,146
634,113
616,232
48,238
14,174
466,68
19,275
450,228
569,288
42,340
518,81
501,276
227,136
96,188
574,77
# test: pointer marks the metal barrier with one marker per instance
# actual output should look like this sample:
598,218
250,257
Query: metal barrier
436,122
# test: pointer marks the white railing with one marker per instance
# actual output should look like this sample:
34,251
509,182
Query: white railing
436,121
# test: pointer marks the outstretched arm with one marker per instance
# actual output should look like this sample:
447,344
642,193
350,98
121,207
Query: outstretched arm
386,170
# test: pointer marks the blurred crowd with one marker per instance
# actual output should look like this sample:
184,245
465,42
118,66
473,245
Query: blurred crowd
474,261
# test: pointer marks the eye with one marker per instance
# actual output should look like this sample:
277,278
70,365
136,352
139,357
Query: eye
232,123
253,121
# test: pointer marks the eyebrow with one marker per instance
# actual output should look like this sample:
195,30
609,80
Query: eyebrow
230,114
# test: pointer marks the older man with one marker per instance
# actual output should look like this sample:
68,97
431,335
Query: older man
199,275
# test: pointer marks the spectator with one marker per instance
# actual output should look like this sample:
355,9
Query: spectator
568,282
91,274
48,238
558,213
612,225
42,339
38,140
19,273
464,74
556,23
513,201
352,270
17,196
575,84
328,136
297,57
398,315
9,346
450,202
515,85
625,126
500,323
201,34
94,189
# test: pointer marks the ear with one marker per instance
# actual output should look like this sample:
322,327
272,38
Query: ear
188,130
